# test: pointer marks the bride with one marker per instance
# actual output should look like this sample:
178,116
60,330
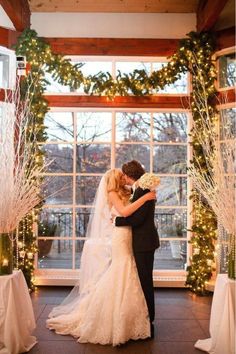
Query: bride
108,306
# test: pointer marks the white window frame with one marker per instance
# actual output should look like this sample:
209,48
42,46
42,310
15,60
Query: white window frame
161,277
113,60
11,68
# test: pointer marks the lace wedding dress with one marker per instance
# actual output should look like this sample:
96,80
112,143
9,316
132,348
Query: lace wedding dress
115,310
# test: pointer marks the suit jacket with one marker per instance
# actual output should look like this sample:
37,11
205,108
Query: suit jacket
145,235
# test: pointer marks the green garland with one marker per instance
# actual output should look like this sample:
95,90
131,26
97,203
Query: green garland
204,226
197,47
204,231
39,55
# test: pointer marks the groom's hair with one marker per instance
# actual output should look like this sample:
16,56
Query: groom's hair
133,169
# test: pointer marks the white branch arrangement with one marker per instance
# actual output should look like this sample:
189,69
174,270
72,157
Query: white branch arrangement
20,176
217,184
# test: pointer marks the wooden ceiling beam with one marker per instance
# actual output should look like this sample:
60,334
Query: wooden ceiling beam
129,47
113,46
178,102
18,11
155,101
167,102
8,38
4,41
208,13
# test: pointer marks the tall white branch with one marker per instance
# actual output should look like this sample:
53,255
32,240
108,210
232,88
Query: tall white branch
20,176
217,183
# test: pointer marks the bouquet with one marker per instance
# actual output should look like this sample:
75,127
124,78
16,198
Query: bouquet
149,181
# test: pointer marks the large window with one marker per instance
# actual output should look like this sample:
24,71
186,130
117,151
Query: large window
81,146
84,143
94,65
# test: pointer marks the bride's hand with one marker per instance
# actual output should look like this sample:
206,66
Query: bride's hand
151,195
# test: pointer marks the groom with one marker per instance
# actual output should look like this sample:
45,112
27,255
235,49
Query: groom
144,234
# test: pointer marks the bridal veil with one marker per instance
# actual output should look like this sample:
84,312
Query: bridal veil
96,255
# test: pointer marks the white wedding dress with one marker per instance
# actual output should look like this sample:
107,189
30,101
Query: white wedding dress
115,310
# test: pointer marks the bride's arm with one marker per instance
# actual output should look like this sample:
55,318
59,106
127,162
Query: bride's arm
126,210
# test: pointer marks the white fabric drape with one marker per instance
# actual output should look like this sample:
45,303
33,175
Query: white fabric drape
17,320
222,320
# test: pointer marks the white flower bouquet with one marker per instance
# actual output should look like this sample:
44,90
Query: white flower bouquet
149,181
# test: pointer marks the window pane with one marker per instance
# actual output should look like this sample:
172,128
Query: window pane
4,70
129,67
227,153
54,86
55,222
126,153
170,127
170,159
59,157
94,126
171,255
55,254
132,126
171,222
227,123
79,244
86,188
82,219
179,86
227,70
93,158
58,190
59,126
93,68
172,191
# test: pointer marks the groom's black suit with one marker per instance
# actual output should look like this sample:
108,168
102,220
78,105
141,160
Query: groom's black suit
145,241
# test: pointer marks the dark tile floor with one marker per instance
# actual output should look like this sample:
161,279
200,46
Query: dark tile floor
181,319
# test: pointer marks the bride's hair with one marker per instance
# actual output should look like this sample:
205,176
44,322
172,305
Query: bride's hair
115,183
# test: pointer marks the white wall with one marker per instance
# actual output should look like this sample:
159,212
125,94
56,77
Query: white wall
4,20
113,25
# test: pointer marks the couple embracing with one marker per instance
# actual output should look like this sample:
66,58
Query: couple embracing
114,301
